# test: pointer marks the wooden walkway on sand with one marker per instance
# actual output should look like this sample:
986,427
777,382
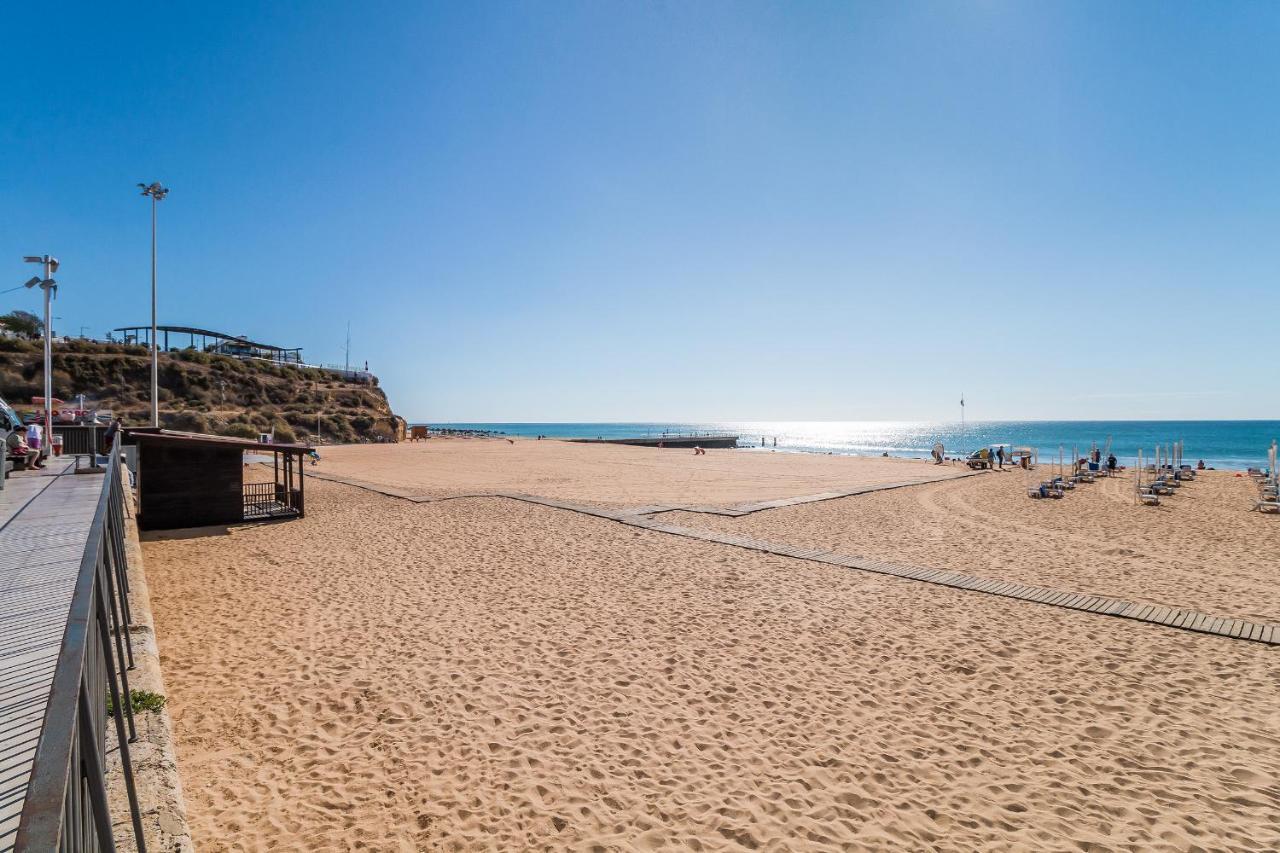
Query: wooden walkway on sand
1168,616
45,518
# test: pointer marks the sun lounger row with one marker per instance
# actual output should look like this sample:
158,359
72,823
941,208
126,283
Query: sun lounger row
1167,481
1268,491
1057,487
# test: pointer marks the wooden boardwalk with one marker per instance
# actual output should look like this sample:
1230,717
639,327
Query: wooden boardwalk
44,525
1169,616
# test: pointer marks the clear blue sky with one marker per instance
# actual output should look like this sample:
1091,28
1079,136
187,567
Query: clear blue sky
607,211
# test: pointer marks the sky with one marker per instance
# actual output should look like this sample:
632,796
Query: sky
605,211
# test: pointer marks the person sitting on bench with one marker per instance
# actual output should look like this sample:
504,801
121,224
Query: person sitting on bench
17,449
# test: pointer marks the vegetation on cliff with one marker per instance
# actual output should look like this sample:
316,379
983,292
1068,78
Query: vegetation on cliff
202,392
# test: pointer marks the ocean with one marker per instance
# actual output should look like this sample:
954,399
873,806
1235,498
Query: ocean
1221,444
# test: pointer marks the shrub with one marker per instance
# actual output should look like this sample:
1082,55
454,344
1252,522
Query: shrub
240,430
140,700
284,432
185,421
64,387
18,345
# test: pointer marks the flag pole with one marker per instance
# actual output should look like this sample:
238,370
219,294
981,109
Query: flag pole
962,448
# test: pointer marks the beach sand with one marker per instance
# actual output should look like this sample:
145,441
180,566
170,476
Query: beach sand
485,674
611,473
1201,549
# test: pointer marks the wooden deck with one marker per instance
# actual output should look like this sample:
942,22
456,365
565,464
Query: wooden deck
1168,616
44,525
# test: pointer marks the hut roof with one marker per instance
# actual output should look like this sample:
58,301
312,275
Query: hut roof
169,436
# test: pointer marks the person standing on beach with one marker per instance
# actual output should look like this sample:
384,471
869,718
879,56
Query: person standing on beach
1000,456
1111,463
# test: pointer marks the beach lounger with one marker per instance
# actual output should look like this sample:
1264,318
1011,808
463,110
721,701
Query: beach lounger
1267,506
1149,498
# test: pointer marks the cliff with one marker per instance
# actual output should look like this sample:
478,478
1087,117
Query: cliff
202,392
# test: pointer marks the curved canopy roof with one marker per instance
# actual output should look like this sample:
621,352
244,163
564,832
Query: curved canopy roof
188,330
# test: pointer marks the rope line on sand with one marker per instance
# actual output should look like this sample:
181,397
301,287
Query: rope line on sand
1155,614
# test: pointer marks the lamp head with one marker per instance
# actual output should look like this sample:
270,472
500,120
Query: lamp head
155,190
40,259
32,282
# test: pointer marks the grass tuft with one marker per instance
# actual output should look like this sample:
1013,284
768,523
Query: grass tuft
142,700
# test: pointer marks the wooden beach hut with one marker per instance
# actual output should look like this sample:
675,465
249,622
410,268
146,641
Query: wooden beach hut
188,479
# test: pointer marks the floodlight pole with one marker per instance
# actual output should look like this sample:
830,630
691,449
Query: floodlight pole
155,352
46,446
157,192
47,284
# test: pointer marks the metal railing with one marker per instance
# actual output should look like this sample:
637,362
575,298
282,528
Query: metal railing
79,438
66,805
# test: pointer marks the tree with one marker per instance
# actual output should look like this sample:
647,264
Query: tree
24,324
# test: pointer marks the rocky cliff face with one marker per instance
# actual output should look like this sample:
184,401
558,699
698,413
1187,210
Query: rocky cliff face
202,392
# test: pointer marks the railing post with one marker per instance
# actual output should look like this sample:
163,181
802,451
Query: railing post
95,773
116,567
126,761
109,593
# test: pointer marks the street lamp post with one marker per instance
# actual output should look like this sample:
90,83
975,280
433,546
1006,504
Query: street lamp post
157,193
50,287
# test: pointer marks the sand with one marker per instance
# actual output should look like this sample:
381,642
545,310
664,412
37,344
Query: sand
483,674
613,474
1201,549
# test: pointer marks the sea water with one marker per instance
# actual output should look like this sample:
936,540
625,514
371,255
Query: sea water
1221,444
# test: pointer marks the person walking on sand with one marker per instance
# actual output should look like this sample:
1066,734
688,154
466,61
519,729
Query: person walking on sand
1111,463
1000,456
